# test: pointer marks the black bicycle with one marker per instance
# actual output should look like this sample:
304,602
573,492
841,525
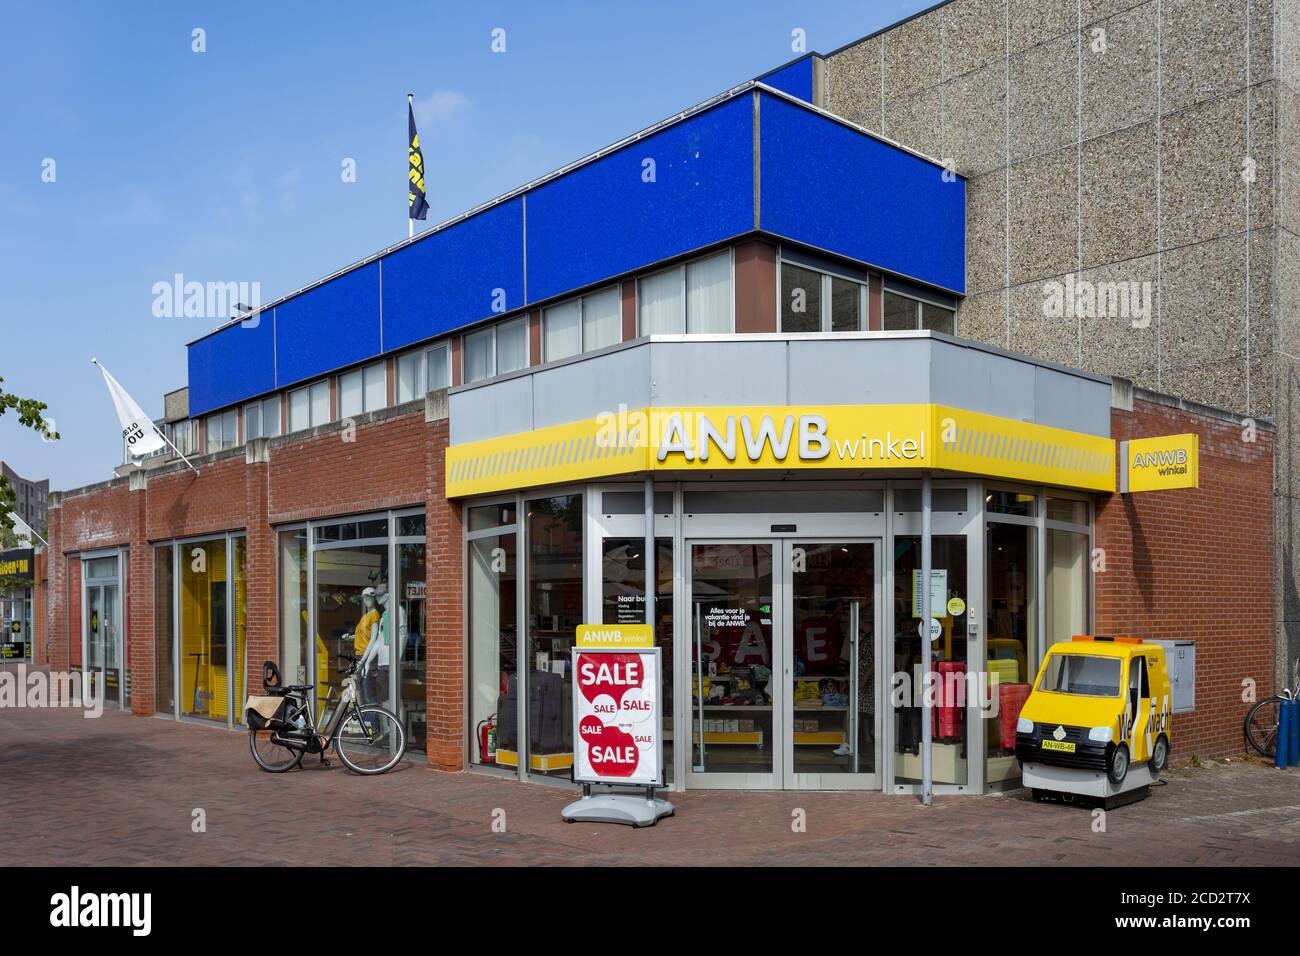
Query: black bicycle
282,727
1263,719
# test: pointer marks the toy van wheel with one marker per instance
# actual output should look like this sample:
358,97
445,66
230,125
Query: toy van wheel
1118,768
1159,755
1039,795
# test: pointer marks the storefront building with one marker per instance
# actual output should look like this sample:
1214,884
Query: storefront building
735,330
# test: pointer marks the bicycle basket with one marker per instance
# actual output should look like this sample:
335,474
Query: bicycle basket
266,713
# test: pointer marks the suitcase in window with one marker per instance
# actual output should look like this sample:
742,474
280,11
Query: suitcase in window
950,699
1011,698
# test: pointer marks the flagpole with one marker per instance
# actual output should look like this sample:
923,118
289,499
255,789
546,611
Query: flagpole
164,437
410,223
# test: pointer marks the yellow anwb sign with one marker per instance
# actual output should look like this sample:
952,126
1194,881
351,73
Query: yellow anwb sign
615,635
1158,464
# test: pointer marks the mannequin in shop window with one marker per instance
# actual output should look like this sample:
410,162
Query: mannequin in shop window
378,652
363,638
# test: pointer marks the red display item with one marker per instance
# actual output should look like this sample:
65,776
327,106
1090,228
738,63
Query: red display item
949,699
1011,698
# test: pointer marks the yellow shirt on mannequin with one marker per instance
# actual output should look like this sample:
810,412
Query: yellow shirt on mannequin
364,628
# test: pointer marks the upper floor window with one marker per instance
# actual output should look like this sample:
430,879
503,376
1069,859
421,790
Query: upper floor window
584,324
422,371
813,301
903,313
309,406
694,298
222,430
362,390
496,350
262,418
182,435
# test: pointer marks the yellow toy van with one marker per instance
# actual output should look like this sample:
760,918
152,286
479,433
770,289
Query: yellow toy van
1098,705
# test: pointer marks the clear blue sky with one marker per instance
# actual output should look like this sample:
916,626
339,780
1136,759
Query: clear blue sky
225,165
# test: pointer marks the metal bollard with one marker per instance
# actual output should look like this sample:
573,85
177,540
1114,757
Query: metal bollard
1283,734
1293,758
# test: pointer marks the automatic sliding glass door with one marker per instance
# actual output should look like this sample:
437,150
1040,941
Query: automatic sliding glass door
735,722
831,628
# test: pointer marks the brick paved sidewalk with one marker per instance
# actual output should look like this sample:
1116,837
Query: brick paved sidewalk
121,790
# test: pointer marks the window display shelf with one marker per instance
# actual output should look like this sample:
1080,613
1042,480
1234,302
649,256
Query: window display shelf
824,710
825,738
737,706
543,763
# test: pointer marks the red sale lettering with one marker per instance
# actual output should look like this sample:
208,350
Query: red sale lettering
611,675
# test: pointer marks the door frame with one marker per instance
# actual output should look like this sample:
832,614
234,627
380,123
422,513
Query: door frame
969,524
87,583
718,780
791,779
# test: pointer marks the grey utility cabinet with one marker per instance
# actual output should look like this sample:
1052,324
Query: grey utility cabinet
1180,659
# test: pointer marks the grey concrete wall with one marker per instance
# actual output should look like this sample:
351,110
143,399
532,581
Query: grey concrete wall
1155,143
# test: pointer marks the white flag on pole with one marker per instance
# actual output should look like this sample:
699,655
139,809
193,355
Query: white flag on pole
23,531
137,428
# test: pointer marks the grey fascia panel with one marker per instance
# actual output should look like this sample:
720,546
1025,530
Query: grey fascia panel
981,381
712,372
848,369
501,408
1071,401
583,389
859,371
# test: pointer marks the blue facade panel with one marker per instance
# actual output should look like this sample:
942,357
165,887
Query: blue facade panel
451,278
605,218
233,364
327,327
829,186
795,79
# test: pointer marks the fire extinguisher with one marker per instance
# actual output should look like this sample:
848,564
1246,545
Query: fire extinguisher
487,740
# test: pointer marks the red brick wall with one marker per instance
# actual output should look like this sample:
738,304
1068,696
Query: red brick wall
392,462
1196,563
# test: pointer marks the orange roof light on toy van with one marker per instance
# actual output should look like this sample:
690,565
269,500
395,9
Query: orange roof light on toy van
1081,637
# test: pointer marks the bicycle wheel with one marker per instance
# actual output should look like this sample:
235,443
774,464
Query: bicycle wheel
271,756
370,740
1261,726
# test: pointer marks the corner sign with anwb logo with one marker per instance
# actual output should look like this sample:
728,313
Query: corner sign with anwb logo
852,438
1160,464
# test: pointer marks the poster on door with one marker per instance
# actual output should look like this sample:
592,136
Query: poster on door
616,717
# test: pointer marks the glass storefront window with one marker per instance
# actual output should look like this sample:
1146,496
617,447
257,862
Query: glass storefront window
408,642
832,617
622,583
731,658
555,609
293,606
948,656
1011,503
491,516
239,600
1067,509
164,582
350,582
492,575
1010,647
1066,588
204,649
